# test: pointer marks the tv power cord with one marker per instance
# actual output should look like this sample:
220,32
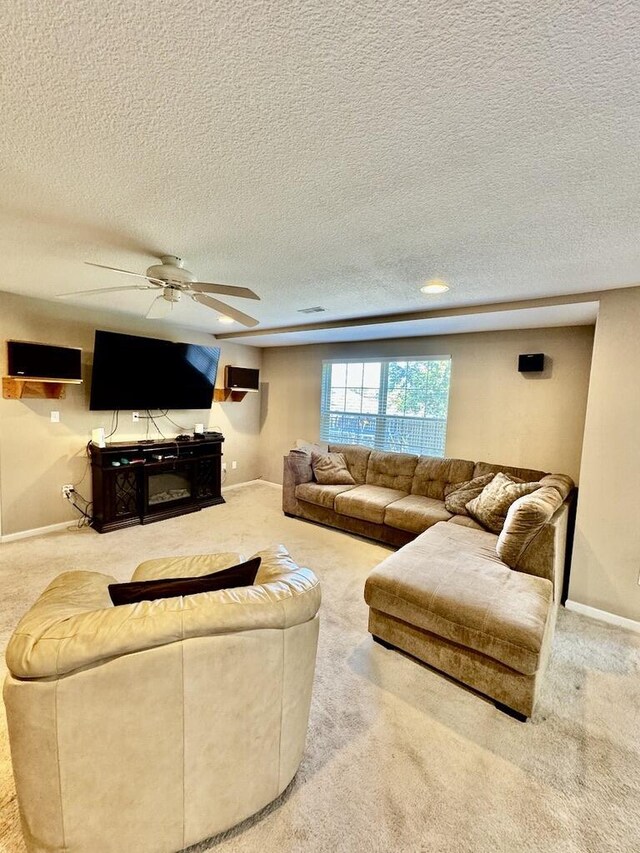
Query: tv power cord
70,493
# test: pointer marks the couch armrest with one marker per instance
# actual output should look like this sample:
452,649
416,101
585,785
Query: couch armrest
74,625
297,469
545,556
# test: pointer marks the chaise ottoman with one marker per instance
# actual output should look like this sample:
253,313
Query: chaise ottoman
447,599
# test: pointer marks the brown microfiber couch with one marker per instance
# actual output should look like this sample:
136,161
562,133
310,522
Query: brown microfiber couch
447,597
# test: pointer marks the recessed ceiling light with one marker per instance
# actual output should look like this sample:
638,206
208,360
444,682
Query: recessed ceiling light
435,285
224,319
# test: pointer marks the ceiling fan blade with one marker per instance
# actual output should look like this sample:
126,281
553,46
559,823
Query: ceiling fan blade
106,290
227,310
126,272
160,307
225,289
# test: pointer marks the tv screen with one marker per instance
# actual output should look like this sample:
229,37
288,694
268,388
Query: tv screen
43,361
130,372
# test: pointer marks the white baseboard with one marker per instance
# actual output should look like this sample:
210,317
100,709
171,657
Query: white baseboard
63,525
603,616
37,531
251,483
270,483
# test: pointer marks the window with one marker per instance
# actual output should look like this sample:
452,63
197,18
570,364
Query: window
389,404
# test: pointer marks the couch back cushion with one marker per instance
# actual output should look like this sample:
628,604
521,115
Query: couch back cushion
433,474
391,470
357,458
527,475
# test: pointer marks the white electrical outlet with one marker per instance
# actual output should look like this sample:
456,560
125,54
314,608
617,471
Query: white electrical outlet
67,490
234,465
55,417
135,417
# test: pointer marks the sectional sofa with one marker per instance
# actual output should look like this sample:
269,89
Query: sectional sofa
478,605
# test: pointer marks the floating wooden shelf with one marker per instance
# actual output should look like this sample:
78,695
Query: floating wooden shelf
228,395
43,389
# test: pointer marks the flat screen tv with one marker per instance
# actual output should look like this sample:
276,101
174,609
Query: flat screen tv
131,372
43,361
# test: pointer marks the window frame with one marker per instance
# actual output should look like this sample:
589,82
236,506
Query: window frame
381,416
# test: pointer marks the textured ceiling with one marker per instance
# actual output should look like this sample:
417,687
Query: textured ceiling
328,152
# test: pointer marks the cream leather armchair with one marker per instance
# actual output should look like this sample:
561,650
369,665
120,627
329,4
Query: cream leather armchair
151,726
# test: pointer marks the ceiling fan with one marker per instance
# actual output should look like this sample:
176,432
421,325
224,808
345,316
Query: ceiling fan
169,279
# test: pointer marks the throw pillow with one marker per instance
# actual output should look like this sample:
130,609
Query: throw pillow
330,469
244,574
525,518
492,504
458,495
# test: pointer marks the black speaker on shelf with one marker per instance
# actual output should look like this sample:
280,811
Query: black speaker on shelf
532,362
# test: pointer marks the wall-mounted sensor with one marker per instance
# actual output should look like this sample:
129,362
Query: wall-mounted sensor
532,362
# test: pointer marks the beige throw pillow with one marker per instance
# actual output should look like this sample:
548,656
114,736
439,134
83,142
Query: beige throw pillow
492,504
458,495
525,518
330,469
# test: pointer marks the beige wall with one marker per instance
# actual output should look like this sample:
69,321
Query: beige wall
495,413
37,456
606,555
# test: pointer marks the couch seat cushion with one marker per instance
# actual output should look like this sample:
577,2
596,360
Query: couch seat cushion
415,513
315,493
367,502
450,582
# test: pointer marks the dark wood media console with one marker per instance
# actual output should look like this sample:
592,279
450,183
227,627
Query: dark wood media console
141,482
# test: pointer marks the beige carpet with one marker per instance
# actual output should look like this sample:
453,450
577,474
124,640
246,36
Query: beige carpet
398,758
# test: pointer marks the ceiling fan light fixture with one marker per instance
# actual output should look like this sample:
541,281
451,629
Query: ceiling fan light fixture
434,285
224,319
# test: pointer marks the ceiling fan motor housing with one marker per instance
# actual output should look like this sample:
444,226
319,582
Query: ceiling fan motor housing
171,271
